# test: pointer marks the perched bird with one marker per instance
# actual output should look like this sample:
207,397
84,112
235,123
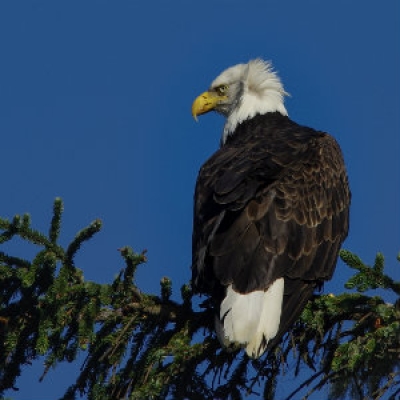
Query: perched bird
271,210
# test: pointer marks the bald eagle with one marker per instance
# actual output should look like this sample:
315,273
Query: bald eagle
271,210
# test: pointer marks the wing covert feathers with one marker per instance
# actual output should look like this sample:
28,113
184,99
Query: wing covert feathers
271,203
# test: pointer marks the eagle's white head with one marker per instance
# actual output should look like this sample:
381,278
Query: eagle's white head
241,92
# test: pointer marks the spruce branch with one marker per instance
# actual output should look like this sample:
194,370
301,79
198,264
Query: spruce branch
368,277
55,226
82,236
140,345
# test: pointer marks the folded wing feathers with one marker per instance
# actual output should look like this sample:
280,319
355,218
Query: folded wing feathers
284,195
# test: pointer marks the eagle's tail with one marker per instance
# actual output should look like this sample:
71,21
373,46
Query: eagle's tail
251,319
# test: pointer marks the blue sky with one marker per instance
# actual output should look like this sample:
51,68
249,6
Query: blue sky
95,102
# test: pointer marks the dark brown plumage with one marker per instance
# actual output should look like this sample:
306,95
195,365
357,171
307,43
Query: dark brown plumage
272,202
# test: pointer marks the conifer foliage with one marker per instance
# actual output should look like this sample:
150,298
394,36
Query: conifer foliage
144,346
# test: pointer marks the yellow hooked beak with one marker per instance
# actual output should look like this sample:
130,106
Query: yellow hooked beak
206,102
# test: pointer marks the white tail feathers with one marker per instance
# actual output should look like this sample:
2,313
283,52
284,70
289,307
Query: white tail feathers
251,319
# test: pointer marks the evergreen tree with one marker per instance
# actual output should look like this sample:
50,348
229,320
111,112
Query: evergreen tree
144,346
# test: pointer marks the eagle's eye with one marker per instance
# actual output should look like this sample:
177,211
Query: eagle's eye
221,90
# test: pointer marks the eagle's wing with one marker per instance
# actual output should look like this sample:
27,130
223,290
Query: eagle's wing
268,208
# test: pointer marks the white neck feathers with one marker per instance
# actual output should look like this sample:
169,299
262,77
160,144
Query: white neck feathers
257,90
